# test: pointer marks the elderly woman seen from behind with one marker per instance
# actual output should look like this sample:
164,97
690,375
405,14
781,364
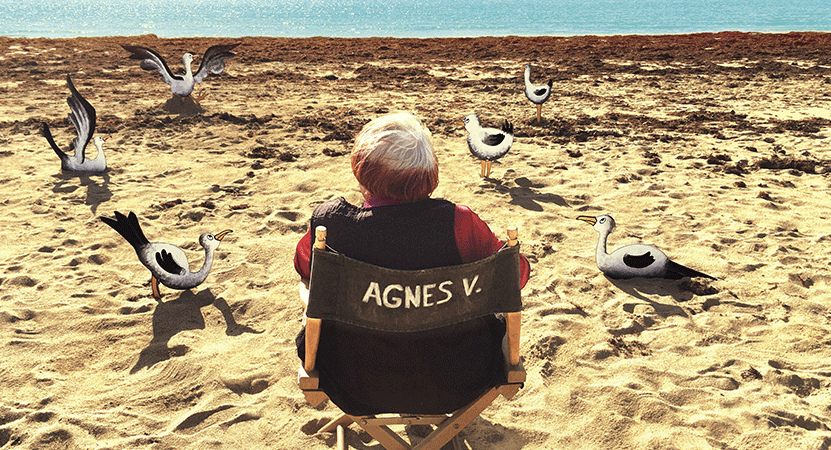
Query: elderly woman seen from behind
399,226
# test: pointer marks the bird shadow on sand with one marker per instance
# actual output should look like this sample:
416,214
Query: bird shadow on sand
640,288
524,194
183,313
97,193
185,107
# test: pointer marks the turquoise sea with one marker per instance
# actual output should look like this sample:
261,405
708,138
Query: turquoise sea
405,18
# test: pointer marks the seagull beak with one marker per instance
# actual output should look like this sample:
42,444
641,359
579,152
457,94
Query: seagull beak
106,137
588,219
221,234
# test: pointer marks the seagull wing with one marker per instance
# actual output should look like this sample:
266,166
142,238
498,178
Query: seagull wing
150,60
48,135
638,261
676,271
83,117
165,260
541,91
214,61
493,139
129,228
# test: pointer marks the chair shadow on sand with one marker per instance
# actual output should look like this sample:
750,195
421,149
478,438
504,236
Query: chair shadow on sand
183,313
97,193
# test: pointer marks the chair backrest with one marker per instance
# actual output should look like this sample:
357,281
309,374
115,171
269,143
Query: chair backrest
394,301
357,293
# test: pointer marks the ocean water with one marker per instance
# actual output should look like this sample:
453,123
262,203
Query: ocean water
405,18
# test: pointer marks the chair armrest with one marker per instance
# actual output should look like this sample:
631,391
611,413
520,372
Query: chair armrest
312,343
514,370
513,324
308,381
515,373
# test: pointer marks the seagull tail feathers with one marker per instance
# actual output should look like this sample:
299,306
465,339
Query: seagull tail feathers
508,127
128,227
48,135
676,271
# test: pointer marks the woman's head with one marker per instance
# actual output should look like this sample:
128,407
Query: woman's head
394,159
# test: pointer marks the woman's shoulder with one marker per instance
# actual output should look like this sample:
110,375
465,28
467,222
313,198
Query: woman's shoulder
465,212
332,205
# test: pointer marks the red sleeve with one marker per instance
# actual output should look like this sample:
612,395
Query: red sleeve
303,256
475,240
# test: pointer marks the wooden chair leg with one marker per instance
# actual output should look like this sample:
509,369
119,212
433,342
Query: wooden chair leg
389,439
341,438
342,420
453,425
458,443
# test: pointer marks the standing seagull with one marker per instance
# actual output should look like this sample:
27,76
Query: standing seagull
82,116
167,263
538,94
213,61
634,260
488,144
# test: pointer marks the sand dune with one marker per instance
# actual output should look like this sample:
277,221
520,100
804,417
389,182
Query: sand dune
713,147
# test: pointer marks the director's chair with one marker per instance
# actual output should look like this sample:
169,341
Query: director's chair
409,302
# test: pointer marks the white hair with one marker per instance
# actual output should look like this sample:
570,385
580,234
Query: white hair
392,146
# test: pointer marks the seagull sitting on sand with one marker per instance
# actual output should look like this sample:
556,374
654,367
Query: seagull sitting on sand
538,94
634,260
488,144
82,116
167,263
213,61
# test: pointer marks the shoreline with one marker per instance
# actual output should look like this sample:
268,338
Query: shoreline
566,52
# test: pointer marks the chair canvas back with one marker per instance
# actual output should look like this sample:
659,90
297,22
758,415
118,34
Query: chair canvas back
361,294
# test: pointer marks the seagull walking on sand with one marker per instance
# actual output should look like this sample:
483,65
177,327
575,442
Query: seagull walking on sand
538,94
167,263
82,116
634,260
488,144
213,61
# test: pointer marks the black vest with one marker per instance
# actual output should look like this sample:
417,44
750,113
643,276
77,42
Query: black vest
408,236
433,372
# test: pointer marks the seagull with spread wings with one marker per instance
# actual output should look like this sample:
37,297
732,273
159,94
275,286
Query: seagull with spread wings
182,85
82,116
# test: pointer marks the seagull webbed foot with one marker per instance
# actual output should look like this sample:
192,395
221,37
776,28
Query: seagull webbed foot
200,97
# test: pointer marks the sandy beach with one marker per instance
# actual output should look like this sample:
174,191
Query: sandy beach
714,147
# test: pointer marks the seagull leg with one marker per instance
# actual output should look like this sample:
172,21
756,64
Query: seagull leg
154,284
488,169
484,167
200,97
539,113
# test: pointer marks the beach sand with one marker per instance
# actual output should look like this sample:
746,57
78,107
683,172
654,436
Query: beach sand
714,147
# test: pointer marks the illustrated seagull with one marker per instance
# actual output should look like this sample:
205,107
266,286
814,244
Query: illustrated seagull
538,94
167,263
488,144
82,116
634,260
213,61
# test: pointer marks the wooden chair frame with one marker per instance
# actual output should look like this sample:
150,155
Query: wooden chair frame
448,426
